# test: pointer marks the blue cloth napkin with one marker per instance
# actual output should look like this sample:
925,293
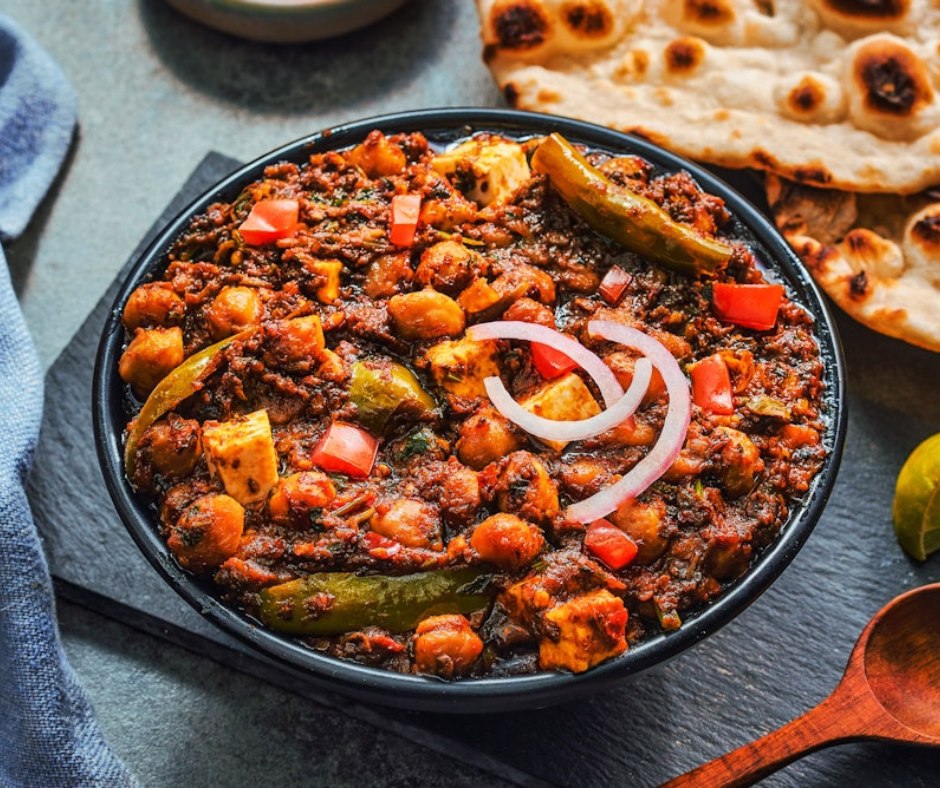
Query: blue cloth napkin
48,734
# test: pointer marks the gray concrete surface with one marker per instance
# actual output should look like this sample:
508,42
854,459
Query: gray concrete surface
156,92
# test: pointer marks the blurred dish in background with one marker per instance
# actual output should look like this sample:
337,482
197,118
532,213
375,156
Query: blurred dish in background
286,21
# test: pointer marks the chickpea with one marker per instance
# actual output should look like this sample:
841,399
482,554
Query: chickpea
740,462
177,499
446,646
153,304
386,275
530,311
623,365
524,487
460,494
232,310
208,532
583,477
644,523
426,314
150,357
526,280
507,541
412,522
294,341
175,446
727,556
447,266
486,437
449,213
631,432
694,456
377,156
296,498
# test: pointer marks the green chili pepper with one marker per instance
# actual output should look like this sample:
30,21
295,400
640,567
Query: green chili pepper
632,220
668,620
378,388
331,603
171,391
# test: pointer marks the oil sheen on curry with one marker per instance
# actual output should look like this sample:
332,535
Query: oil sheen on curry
494,410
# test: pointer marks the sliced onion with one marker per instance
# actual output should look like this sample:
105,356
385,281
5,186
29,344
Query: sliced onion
590,362
567,431
671,439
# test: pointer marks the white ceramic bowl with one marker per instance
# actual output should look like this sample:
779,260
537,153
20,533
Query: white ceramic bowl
286,21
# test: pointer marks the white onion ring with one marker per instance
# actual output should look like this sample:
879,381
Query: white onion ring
671,439
567,431
606,381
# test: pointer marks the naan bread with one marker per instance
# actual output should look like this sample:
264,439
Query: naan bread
833,93
876,255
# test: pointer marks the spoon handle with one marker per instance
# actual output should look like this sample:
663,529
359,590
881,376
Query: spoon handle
817,728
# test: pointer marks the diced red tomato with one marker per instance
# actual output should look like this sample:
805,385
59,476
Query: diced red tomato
615,623
711,385
609,544
613,284
405,211
751,306
270,220
345,448
549,362
380,546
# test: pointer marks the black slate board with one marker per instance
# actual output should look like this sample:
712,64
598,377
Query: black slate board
775,661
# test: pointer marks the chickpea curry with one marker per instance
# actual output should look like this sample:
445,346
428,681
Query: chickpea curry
503,408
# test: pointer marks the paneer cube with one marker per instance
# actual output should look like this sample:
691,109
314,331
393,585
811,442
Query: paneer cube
242,453
460,366
495,167
564,399
486,437
583,632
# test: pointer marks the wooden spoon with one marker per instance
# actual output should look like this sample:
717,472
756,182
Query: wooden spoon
890,692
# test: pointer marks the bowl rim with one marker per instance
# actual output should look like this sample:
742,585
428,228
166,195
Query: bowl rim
483,695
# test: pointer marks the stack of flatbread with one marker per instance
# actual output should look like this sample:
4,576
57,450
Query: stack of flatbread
835,100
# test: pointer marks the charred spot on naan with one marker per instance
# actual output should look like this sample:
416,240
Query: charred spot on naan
852,18
711,13
859,286
684,55
810,97
871,10
520,26
893,80
588,19
818,257
926,230
806,97
922,245
814,174
866,251
890,90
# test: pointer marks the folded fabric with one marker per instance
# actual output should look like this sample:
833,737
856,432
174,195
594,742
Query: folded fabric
48,734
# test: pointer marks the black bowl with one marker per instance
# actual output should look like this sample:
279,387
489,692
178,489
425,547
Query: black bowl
491,694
